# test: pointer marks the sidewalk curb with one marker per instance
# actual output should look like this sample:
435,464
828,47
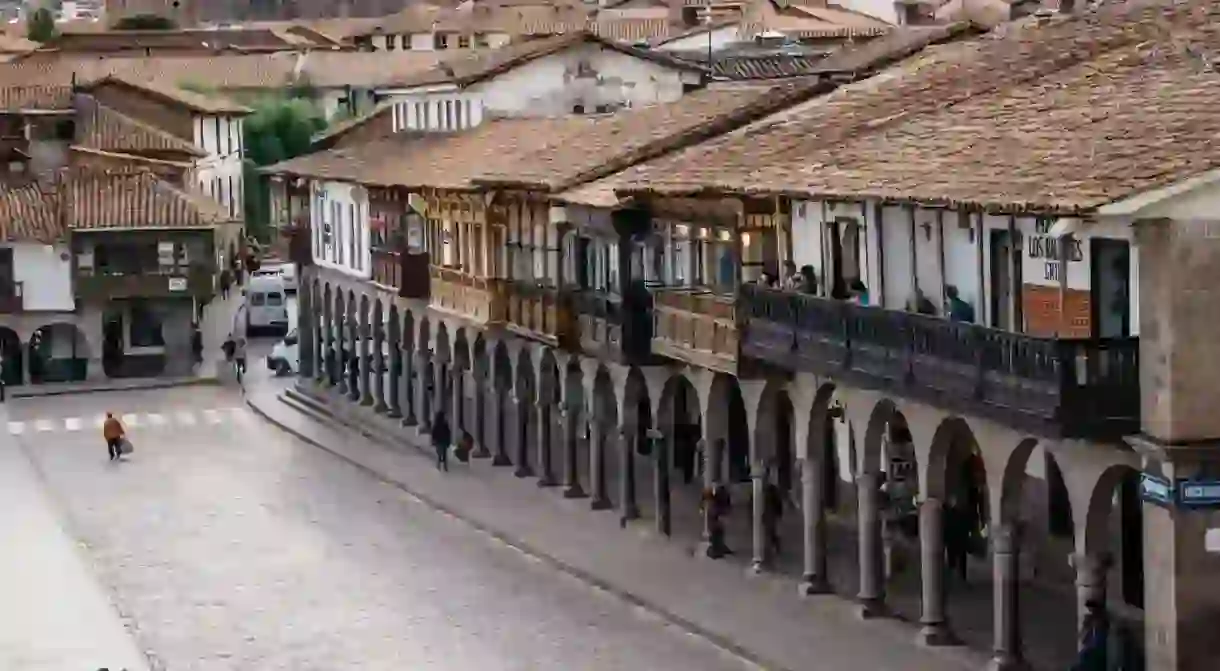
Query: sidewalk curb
716,640
101,389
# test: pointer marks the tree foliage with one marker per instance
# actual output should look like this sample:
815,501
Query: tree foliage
279,129
40,26
145,22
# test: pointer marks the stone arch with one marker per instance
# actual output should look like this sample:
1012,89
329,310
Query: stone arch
13,355
952,441
604,401
821,449
58,352
680,418
774,442
637,405
1096,537
879,420
1013,482
502,369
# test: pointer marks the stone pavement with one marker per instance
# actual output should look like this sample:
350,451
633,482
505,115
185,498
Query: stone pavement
235,547
758,618
55,616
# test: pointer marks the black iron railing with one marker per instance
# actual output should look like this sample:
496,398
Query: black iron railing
1087,388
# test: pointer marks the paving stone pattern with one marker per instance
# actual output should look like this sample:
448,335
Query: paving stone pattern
232,546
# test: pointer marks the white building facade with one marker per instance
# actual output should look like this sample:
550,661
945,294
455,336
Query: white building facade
339,222
220,174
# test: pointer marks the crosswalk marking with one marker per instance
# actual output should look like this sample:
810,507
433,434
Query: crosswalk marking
133,420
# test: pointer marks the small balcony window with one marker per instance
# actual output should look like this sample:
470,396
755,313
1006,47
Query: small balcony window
463,41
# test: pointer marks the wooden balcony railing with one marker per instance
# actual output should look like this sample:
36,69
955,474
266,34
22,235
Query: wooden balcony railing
481,300
1058,387
618,328
11,297
694,326
99,284
387,268
541,313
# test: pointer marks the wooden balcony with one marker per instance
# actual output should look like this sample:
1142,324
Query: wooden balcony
699,328
615,328
387,268
11,297
540,313
193,282
1066,388
406,273
479,300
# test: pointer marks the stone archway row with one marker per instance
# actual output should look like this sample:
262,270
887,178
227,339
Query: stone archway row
410,364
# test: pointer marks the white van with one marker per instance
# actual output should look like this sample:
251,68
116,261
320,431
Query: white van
285,358
285,271
266,305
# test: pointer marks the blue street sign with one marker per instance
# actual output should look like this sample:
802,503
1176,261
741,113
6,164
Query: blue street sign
1156,489
1199,493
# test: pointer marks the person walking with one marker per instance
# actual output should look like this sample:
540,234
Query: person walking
239,356
113,432
441,440
226,281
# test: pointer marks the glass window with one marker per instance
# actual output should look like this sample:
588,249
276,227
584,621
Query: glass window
275,298
145,326
258,299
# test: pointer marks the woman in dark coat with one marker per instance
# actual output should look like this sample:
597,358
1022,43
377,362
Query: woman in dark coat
442,438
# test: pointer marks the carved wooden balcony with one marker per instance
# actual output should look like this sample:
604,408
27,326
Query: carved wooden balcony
1055,387
99,284
540,313
477,299
616,328
696,327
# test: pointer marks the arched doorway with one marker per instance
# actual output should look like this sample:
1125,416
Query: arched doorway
12,357
58,352
502,404
678,462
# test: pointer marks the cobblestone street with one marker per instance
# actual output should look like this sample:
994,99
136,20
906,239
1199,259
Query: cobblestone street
230,545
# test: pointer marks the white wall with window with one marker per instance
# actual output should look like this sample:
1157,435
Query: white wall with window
219,174
339,220
1017,272
42,274
442,108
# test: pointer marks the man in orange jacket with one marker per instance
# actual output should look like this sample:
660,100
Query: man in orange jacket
113,431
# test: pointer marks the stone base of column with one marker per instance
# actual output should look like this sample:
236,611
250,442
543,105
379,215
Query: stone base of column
600,503
1006,662
393,413
812,585
938,635
706,550
574,491
366,400
501,460
871,609
381,408
547,480
409,421
354,395
757,568
524,471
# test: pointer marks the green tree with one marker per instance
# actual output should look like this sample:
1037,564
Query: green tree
40,26
145,22
279,129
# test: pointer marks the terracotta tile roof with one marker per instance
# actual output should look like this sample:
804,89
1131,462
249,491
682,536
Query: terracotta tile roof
606,144
631,29
100,127
134,159
135,200
196,102
805,22
892,47
700,29
118,40
337,131
323,68
546,154
481,65
29,212
1067,113
35,97
766,66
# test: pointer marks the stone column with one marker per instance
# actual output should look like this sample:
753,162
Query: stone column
597,466
306,319
1090,584
628,505
1007,652
459,402
571,470
660,481
379,366
872,583
426,378
524,469
758,531
814,579
501,405
358,387
480,420
710,451
935,623
546,439
409,384
343,330
325,371
394,402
